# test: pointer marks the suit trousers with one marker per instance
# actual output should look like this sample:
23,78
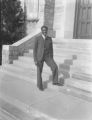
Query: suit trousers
0,54
51,63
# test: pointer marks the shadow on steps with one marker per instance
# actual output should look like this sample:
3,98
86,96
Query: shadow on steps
63,71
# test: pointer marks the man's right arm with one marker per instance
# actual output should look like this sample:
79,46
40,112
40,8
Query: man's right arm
35,51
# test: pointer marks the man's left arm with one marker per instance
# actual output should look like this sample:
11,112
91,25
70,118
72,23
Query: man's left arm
51,49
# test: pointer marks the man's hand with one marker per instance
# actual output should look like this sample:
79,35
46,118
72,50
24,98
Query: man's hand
36,63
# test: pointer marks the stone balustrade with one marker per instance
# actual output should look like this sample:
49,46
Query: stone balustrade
11,52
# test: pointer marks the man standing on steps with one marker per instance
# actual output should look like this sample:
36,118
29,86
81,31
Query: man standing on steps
0,38
43,52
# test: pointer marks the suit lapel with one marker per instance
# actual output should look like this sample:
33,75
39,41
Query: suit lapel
42,40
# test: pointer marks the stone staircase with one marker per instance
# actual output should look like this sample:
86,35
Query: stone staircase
81,70
73,59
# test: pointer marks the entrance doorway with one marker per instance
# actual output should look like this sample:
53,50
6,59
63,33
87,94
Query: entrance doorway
83,19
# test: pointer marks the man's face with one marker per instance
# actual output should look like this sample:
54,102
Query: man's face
44,31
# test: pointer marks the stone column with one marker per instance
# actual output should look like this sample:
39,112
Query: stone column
49,11
64,18
69,18
59,17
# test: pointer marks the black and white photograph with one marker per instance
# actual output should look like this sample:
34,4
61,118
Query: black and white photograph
46,60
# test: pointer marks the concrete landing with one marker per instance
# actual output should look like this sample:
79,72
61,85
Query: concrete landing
19,95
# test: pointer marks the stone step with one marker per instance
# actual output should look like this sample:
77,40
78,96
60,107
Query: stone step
62,67
82,58
8,75
59,53
8,108
81,69
55,50
55,54
46,70
73,52
5,115
20,69
73,46
45,97
25,64
26,59
74,43
28,54
14,68
59,60
84,72
73,91
83,63
69,47
80,84
30,66
73,69
81,72
22,64
29,77
33,76
69,50
82,76
60,89
70,63
56,88
26,71
85,58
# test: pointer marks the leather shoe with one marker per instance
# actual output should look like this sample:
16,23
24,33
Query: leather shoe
58,84
41,89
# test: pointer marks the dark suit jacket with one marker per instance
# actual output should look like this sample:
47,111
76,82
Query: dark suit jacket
39,44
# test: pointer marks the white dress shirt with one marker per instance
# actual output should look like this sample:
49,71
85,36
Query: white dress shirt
43,36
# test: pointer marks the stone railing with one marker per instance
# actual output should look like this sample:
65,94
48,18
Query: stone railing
11,52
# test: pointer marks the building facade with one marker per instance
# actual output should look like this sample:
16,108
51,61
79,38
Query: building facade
65,18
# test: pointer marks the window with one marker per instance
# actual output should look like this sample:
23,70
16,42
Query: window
32,9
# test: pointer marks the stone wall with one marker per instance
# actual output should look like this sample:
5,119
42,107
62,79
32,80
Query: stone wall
58,15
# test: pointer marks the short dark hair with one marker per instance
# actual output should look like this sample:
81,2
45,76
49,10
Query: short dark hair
44,27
